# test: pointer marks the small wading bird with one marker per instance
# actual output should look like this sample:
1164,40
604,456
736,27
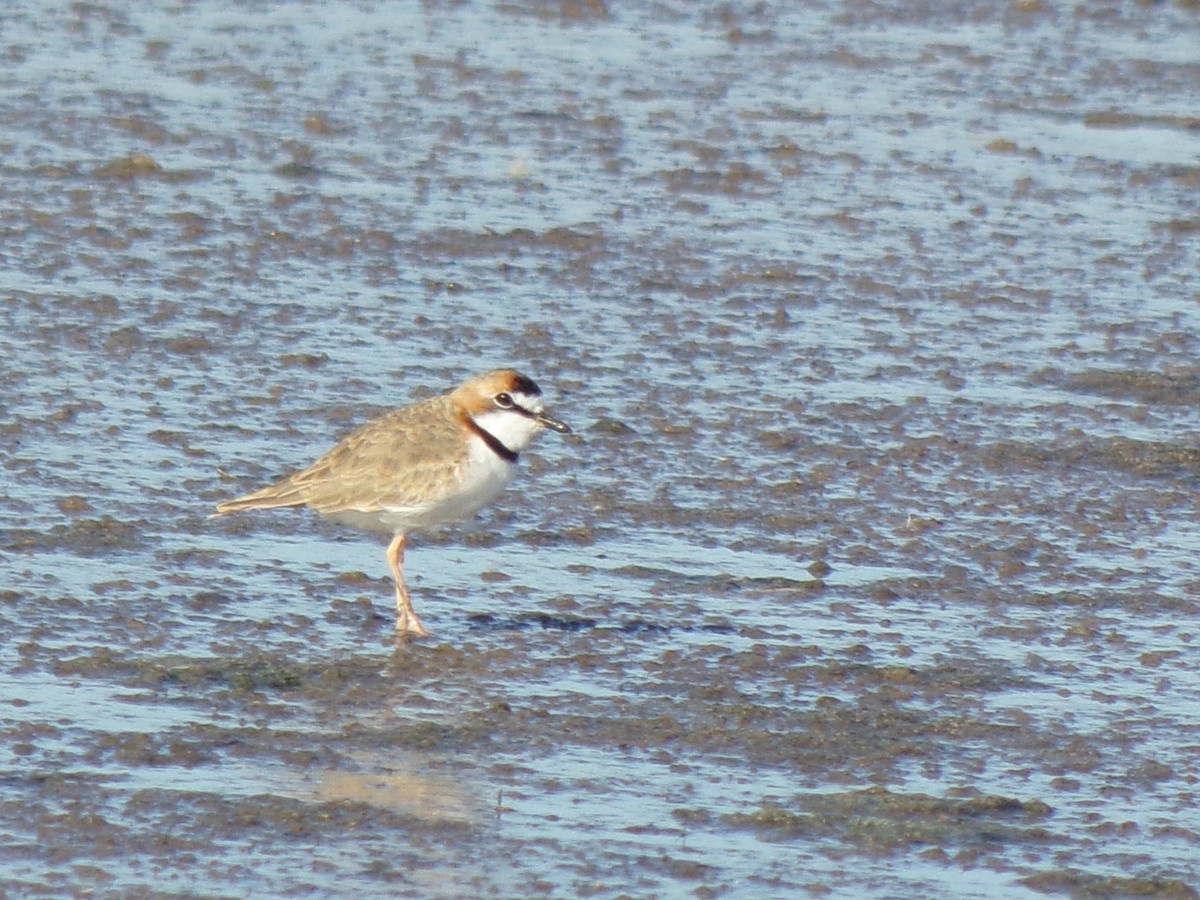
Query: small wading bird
427,464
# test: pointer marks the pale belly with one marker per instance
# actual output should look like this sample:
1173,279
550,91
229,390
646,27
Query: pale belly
485,477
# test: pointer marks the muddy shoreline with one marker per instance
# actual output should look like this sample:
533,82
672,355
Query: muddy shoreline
869,571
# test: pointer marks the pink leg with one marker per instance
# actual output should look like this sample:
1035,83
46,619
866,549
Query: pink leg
406,618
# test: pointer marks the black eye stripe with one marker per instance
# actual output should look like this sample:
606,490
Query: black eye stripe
505,400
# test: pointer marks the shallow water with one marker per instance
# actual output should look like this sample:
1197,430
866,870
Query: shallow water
889,588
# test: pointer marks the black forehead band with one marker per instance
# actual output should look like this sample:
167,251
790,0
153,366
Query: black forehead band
525,385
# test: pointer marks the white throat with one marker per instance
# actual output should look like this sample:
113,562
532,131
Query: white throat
512,429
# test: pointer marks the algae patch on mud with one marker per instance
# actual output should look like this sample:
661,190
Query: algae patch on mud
881,821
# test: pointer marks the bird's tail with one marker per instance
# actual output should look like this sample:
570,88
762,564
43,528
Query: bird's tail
285,493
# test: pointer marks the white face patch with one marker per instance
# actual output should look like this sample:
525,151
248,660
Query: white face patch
514,428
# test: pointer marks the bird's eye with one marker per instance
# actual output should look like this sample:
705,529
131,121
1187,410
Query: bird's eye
504,401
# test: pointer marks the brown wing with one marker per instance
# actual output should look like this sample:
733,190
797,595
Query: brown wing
397,460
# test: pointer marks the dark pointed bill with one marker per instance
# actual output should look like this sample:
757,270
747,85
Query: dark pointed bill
552,423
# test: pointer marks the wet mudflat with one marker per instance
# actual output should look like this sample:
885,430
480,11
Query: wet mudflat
871,570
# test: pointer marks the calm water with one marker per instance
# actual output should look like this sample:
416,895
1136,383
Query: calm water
889,589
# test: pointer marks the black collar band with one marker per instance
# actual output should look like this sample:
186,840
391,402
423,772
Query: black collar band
494,443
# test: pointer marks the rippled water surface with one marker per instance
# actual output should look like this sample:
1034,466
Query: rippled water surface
871,569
